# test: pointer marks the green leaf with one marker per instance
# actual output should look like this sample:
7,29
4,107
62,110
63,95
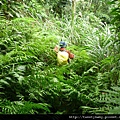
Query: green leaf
21,67
115,110
4,82
116,88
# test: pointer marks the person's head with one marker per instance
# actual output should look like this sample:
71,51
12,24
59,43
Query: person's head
62,44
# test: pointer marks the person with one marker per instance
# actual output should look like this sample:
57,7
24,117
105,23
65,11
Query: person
63,55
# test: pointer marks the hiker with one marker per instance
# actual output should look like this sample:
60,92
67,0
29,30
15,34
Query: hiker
63,55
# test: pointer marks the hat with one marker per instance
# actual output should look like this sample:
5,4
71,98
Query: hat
62,44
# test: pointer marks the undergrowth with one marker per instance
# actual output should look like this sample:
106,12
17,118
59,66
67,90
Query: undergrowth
30,80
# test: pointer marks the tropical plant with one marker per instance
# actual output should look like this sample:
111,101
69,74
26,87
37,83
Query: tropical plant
23,107
111,100
30,81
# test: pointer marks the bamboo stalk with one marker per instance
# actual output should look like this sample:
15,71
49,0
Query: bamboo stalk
73,19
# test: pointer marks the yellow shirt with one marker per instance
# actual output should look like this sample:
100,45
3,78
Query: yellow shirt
62,57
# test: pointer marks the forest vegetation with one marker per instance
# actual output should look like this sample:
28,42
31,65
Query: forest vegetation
30,80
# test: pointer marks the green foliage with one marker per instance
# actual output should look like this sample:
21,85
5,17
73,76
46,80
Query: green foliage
58,7
17,9
23,107
111,98
99,8
30,81
115,11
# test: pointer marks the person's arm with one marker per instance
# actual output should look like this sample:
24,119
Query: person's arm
56,49
71,55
